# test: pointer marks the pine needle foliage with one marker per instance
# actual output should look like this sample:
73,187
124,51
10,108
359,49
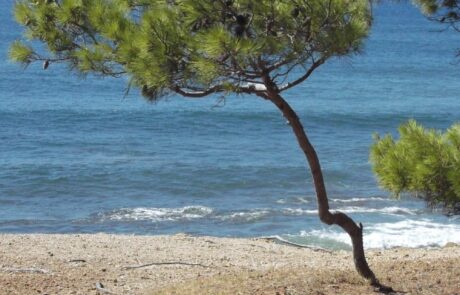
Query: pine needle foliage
190,47
425,163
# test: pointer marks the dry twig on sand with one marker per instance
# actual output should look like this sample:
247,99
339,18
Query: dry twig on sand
25,270
166,263
286,242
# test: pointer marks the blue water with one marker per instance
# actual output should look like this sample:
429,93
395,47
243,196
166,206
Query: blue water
78,156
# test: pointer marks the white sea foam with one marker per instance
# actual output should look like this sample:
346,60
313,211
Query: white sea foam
245,216
184,213
353,200
352,209
302,200
298,211
407,233
294,200
385,210
411,233
159,214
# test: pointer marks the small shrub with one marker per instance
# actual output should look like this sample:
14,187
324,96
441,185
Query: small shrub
424,163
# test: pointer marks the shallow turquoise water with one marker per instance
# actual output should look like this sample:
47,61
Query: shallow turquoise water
76,156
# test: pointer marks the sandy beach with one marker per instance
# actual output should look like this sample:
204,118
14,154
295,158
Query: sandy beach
182,264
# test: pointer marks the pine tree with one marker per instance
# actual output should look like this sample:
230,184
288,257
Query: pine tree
198,48
424,163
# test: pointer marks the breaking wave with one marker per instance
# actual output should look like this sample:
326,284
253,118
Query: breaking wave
185,214
407,233
157,214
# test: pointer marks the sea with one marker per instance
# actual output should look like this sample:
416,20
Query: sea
79,156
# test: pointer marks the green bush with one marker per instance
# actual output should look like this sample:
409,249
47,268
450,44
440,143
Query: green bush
424,163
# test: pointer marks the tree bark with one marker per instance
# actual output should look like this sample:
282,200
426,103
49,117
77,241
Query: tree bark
344,221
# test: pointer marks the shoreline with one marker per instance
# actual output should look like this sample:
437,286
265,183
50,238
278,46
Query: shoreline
132,264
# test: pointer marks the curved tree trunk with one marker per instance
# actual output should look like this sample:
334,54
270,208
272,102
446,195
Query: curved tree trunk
346,223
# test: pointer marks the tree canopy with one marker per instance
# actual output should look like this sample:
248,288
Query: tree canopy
193,48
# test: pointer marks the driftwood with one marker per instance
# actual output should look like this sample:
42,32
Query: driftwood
25,270
165,263
286,242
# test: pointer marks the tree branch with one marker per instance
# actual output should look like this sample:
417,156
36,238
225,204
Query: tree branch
305,76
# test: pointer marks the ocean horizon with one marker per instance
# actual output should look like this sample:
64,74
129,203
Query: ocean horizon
80,156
